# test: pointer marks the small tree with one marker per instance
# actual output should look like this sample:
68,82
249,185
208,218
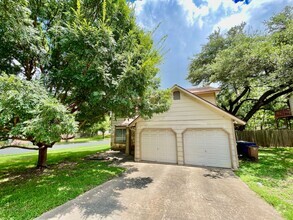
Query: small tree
28,112
104,126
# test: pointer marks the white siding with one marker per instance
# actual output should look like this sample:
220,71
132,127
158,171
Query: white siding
183,114
186,109
210,97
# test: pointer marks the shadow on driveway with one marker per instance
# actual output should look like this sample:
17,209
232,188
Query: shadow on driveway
102,200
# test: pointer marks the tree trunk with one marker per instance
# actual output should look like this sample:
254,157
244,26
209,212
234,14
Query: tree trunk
103,134
42,158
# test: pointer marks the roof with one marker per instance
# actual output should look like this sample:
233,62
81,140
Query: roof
203,90
194,95
127,121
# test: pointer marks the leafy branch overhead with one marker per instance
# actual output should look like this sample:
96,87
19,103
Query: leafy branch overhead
253,70
89,55
29,113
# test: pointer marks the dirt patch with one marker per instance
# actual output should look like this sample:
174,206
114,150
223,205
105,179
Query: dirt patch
65,164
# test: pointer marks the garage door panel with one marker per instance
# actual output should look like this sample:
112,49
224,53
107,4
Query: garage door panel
207,148
158,145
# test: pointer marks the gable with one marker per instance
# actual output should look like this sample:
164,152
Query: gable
187,109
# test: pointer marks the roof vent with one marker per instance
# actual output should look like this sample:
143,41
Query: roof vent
176,95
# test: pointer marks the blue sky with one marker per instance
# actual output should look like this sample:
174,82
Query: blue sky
188,23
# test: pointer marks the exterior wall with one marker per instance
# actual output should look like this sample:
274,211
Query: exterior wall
210,97
187,113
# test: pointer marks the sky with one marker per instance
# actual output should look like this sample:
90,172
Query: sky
188,23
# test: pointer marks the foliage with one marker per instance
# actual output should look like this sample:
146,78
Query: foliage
90,54
25,193
101,126
271,178
21,48
29,112
90,130
252,69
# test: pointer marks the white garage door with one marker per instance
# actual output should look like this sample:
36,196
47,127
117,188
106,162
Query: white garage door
158,145
207,148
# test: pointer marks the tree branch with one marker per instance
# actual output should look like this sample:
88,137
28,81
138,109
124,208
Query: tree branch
68,138
272,98
22,147
235,110
232,103
264,100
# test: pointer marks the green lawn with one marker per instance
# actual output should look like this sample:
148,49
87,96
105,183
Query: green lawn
272,178
27,193
84,139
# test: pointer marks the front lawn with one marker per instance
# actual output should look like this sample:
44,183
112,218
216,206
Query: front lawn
272,178
27,193
84,139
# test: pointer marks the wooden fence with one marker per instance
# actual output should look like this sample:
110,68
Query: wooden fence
267,138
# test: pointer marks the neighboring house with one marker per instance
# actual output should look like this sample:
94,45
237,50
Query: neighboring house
194,131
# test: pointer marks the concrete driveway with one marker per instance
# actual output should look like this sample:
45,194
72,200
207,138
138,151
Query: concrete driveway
159,191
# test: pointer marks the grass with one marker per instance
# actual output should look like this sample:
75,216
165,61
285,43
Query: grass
84,139
272,178
27,193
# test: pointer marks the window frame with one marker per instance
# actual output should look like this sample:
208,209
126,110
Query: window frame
121,136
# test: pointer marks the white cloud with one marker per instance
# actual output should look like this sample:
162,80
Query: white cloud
246,12
138,6
231,13
198,14
232,20
188,23
193,13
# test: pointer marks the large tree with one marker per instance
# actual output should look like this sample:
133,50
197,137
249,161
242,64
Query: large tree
253,70
29,113
90,55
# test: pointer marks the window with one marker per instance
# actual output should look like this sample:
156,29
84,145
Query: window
176,95
120,135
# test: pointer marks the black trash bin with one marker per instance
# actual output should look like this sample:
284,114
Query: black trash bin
243,148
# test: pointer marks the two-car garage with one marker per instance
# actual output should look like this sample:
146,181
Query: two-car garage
194,131
202,147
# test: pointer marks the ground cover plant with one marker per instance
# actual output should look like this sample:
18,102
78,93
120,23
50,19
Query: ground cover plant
26,192
272,178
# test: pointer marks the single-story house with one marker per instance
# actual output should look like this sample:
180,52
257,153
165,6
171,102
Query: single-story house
194,131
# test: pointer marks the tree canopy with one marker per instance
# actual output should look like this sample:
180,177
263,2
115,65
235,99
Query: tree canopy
89,54
28,112
253,70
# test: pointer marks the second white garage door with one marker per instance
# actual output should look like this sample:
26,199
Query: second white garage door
158,145
207,148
